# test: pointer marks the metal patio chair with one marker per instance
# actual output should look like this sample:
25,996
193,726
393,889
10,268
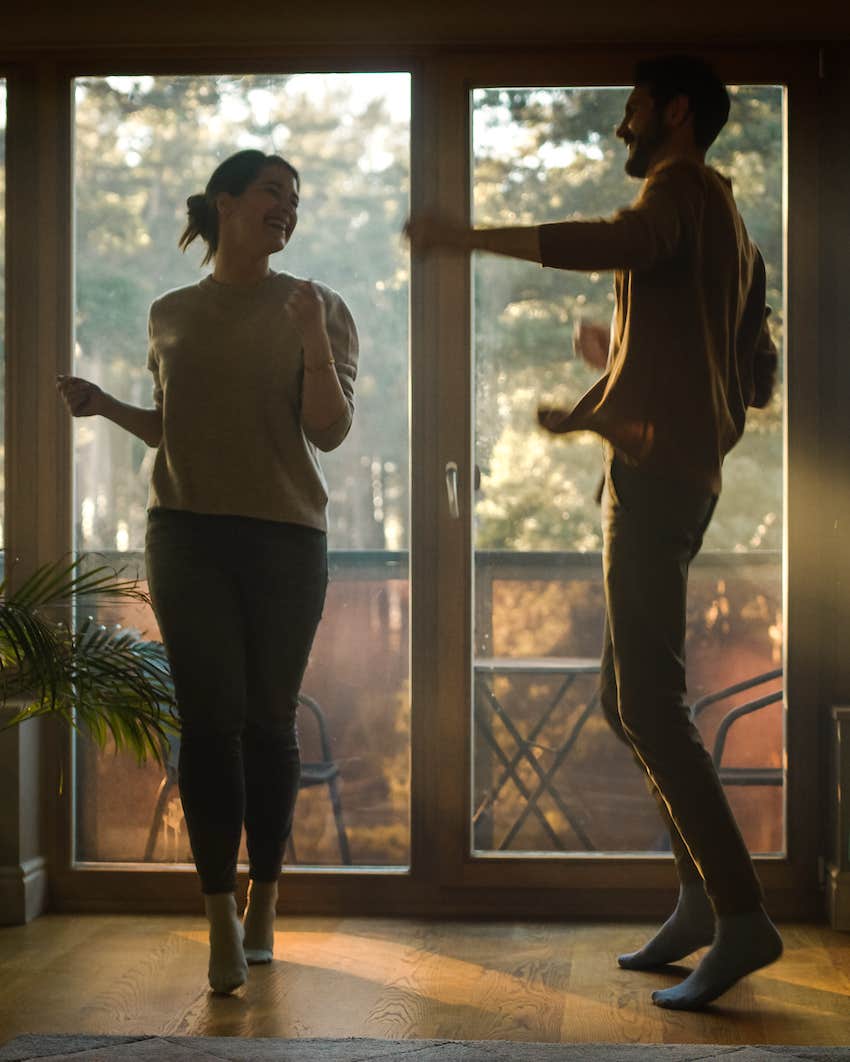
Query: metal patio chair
318,772
742,775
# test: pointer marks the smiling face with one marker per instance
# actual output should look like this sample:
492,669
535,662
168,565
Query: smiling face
642,130
261,220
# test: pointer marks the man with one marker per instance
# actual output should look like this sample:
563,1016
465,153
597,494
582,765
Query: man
689,352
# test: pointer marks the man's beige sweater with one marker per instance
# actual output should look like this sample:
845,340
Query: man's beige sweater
690,320
227,366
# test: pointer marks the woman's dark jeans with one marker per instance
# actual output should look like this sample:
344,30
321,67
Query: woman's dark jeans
238,602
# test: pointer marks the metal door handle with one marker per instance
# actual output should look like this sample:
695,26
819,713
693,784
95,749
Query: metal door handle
451,489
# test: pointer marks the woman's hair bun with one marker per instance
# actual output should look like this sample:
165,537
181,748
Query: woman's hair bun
203,222
197,205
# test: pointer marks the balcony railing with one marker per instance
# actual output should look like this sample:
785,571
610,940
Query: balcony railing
542,604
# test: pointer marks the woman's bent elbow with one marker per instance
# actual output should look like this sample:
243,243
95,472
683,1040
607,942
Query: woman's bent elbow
331,435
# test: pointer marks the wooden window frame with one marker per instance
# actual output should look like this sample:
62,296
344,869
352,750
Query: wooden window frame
443,878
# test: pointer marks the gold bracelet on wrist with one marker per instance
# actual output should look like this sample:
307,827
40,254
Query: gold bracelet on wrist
320,368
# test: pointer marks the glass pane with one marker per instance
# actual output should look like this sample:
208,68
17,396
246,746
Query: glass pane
549,776
143,144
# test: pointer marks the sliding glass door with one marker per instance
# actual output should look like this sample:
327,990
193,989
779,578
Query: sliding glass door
548,775
143,144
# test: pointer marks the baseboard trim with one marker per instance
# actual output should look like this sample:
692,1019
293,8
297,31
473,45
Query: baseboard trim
23,892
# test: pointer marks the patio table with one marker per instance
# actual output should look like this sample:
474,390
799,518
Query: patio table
565,670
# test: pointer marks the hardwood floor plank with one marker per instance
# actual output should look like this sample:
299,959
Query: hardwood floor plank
601,995
404,978
497,980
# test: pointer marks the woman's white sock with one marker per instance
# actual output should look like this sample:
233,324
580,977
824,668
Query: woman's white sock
259,921
228,969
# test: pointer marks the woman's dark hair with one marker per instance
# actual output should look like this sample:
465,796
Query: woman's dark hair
670,76
232,176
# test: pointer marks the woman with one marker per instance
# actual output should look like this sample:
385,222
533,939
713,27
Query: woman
253,372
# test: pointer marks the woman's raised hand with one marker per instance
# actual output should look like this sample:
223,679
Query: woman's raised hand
82,397
306,308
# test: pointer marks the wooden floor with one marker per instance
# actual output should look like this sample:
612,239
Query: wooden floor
339,977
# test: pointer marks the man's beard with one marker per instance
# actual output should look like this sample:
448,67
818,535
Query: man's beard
645,147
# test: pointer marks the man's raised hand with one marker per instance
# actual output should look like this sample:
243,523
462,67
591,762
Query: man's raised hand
591,342
426,231
553,418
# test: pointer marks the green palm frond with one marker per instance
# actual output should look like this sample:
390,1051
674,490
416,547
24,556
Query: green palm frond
31,652
108,683
63,581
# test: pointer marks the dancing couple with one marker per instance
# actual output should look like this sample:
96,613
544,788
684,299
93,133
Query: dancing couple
253,373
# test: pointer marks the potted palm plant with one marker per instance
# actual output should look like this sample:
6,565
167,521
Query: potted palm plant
106,683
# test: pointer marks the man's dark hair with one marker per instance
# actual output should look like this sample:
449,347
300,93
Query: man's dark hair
669,76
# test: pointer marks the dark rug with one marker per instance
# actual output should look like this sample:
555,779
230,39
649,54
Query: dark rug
214,1049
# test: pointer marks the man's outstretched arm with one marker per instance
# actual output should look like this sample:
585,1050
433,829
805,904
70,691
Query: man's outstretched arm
632,239
426,231
653,229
